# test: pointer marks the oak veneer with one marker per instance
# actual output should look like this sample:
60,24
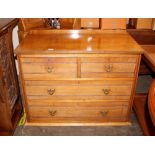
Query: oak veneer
78,42
78,77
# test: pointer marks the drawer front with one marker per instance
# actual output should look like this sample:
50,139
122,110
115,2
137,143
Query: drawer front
110,59
49,68
75,103
100,70
64,112
48,60
104,90
122,66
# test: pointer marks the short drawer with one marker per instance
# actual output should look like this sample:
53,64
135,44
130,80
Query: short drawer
100,70
47,60
110,59
78,112
104,90
108,66
48,68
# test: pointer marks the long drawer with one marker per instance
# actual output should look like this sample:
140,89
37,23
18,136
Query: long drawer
78,112
75,103
79,90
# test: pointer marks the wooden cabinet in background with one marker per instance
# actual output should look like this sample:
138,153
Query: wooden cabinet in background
113,23
10,98
27,24
153,24
142,23
90,22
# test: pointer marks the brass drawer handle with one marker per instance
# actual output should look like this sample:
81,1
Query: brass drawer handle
51,91
52,112
104,113
49,69
106,91
108,68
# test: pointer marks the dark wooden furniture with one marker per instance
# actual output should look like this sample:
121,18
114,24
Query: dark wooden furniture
142,101
149,56
152,102
146,38
10,98
143,114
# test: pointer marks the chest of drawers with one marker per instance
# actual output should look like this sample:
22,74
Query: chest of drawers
73,81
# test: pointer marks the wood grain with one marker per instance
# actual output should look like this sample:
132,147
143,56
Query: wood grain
73,112
95,72
76,42
79,90
76,103
151,102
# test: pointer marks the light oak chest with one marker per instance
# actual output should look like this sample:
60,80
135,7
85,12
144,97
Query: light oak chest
78,78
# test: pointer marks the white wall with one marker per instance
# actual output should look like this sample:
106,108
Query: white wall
15,41
15,37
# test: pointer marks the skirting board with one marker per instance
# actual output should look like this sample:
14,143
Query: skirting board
79,124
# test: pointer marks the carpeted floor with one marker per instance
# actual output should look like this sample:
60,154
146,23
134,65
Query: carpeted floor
132,130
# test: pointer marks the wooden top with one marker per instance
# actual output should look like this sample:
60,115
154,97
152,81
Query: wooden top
78,41
7,22
149,55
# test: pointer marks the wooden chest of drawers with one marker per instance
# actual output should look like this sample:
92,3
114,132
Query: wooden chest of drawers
70,85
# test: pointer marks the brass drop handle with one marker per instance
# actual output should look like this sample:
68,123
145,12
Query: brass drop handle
49,69
51,91
104,113
108,67
106,91
52,112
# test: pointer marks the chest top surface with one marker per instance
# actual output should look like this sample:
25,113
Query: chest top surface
78,42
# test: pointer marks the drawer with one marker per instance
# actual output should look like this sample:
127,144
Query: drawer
110,59
48,60
74,90
100,70
75,103
78,112
108,66
49,70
